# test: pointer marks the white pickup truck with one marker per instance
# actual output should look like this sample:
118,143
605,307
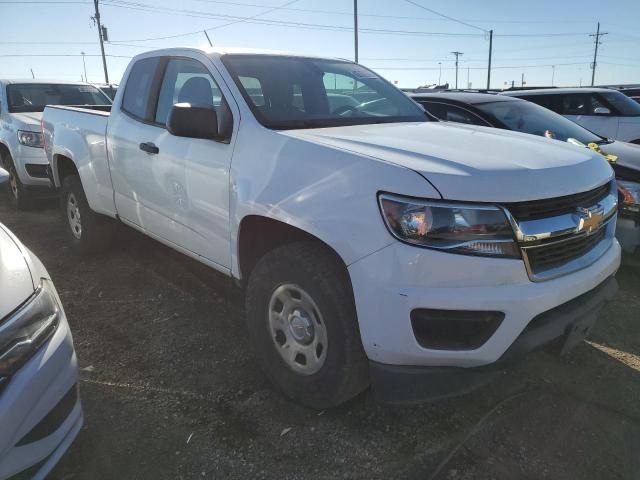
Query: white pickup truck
375,246
21,153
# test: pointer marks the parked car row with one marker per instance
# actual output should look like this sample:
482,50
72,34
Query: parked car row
375,245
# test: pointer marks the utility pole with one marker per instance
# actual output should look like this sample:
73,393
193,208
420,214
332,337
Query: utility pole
355,27
84,65
553,74
490,52
208,39
104,59
457,54
468,83
522,80
440,74
33,75
595,53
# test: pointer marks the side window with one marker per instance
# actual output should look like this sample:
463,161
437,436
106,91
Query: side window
459,115
452,113
136,93
552,102
576,104
186,81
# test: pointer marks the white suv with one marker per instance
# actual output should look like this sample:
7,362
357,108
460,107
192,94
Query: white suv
604,111
21,153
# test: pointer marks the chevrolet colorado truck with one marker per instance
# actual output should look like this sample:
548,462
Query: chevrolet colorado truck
375,247
21,153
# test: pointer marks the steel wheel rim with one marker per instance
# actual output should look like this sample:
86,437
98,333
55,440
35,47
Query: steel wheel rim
297,329
73,216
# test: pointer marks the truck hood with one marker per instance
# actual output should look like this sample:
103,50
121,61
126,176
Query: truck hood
16,284
471,163
31,119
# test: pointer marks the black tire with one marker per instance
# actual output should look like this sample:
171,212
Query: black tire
18,196
96,231
309,265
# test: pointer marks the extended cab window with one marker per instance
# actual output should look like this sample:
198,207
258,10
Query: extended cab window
186,81
287,92
137,90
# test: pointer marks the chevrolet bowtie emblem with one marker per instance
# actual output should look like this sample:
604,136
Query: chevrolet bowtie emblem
589,219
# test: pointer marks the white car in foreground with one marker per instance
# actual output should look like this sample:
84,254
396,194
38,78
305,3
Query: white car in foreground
375,246
607,112
21,147
40,411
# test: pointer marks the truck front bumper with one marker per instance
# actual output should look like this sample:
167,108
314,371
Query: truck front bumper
40,410
559,329
394,282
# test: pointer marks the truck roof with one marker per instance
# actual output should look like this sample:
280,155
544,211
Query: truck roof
221,51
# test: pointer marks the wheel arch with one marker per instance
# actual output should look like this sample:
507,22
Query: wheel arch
258,235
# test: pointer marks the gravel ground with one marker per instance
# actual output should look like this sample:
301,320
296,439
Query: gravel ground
171,389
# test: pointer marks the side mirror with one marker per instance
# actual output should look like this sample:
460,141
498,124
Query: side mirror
193,121
602,111
4,176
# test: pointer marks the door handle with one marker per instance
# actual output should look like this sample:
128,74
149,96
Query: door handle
149,147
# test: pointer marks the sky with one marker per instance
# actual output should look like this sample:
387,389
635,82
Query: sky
545,40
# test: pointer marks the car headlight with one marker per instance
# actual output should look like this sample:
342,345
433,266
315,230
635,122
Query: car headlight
28,328
451,227
30,139
630,196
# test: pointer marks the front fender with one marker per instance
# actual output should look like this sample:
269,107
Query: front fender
324,191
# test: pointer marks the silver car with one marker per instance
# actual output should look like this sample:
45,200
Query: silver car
40,410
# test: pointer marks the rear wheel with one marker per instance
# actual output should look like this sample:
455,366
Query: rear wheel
302,321
87,231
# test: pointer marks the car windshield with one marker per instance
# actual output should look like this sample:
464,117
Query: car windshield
33,97
625,105
294,92
527,117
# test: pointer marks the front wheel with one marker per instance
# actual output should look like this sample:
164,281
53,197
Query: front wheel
302,322
18,195
87,231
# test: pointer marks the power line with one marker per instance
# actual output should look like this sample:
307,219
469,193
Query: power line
445,16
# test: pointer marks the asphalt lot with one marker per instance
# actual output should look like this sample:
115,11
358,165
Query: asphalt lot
171,389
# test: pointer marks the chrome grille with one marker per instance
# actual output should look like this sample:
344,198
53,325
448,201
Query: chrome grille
551,207
561,235
545,257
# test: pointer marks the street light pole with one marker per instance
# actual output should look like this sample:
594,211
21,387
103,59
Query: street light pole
553,74
84,65
440,74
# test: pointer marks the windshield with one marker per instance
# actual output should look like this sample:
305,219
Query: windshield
527,117
292,92
33,97
626,106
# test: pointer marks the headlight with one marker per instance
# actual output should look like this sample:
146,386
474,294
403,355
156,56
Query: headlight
27,329
630,196
30,139
456,228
